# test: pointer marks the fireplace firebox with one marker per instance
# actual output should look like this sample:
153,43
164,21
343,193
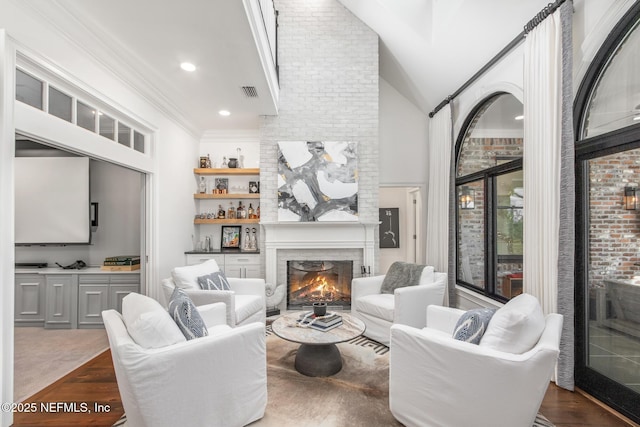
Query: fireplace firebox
319,281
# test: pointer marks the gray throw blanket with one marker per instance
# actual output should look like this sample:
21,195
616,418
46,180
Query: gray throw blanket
401,274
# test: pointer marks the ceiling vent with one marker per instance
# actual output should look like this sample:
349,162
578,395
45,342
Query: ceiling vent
250,91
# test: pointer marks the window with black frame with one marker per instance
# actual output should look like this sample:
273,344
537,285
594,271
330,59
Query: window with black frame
490,199
608,221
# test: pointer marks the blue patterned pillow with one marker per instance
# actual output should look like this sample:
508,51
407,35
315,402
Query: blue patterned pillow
215,281
472,324
186,315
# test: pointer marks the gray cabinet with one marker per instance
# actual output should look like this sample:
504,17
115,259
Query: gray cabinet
120,286
99,292
29,300
93,298
244,266
61,294
240,265
73,300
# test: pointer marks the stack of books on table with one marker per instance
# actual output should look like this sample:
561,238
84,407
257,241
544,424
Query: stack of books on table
121,263
321,323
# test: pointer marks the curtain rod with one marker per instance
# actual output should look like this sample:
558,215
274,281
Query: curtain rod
540,16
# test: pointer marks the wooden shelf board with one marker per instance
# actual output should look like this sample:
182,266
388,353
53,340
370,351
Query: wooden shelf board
226,196
226,221
226,171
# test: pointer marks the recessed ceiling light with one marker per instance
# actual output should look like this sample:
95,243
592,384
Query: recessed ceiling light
518,118
224,113
188,66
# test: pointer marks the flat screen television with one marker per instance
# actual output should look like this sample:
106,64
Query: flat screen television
52,204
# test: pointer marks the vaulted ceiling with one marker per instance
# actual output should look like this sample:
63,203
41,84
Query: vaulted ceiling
428,48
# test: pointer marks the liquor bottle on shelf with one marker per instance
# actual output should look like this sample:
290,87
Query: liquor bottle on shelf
250,212
221,213
202,186
240,212
231,212
258,212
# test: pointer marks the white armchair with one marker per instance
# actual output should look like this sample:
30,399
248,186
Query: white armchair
406,305
245,302
216,380
436,380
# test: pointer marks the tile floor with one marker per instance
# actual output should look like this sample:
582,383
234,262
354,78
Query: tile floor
615,355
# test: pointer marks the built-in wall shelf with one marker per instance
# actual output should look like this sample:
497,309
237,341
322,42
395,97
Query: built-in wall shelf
226,171
226,221
226,196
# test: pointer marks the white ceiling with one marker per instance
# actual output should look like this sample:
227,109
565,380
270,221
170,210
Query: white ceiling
428,48
153,38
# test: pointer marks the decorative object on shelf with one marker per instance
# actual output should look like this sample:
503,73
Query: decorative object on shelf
230,236
203,162
202,186
254,187
246,240
224,162
320,181
254,239
630,200
389,227
222,185
233,162
240,159
258,212
221,212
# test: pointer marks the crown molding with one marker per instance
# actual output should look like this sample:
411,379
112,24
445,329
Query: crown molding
93,45
231,135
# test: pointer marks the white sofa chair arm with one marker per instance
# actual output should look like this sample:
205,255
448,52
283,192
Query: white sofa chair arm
236,357
251,286
410,303
443,318
363,286
203,297
213,314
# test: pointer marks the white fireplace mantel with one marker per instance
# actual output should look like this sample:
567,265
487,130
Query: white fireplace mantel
317,235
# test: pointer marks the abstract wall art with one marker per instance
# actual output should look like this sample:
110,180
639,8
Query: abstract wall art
317,181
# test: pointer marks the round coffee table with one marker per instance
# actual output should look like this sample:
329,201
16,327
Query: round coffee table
318,355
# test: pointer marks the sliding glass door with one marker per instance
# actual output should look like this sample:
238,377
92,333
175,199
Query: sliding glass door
608,222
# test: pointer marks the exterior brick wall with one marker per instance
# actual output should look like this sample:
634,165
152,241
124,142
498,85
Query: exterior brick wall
614,233
328,63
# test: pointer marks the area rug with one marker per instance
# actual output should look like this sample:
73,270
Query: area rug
358,395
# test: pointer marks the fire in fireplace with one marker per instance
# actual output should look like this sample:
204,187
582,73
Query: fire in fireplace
319,281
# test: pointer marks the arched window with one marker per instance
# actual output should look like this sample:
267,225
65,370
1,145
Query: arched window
490,193
608,221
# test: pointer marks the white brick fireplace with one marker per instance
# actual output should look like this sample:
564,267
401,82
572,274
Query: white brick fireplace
285,241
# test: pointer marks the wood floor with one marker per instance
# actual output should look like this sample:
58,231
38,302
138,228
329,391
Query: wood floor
95,382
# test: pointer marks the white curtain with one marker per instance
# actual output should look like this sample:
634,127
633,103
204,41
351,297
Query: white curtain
542,144
439,152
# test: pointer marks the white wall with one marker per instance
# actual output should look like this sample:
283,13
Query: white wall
175,150
403,139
